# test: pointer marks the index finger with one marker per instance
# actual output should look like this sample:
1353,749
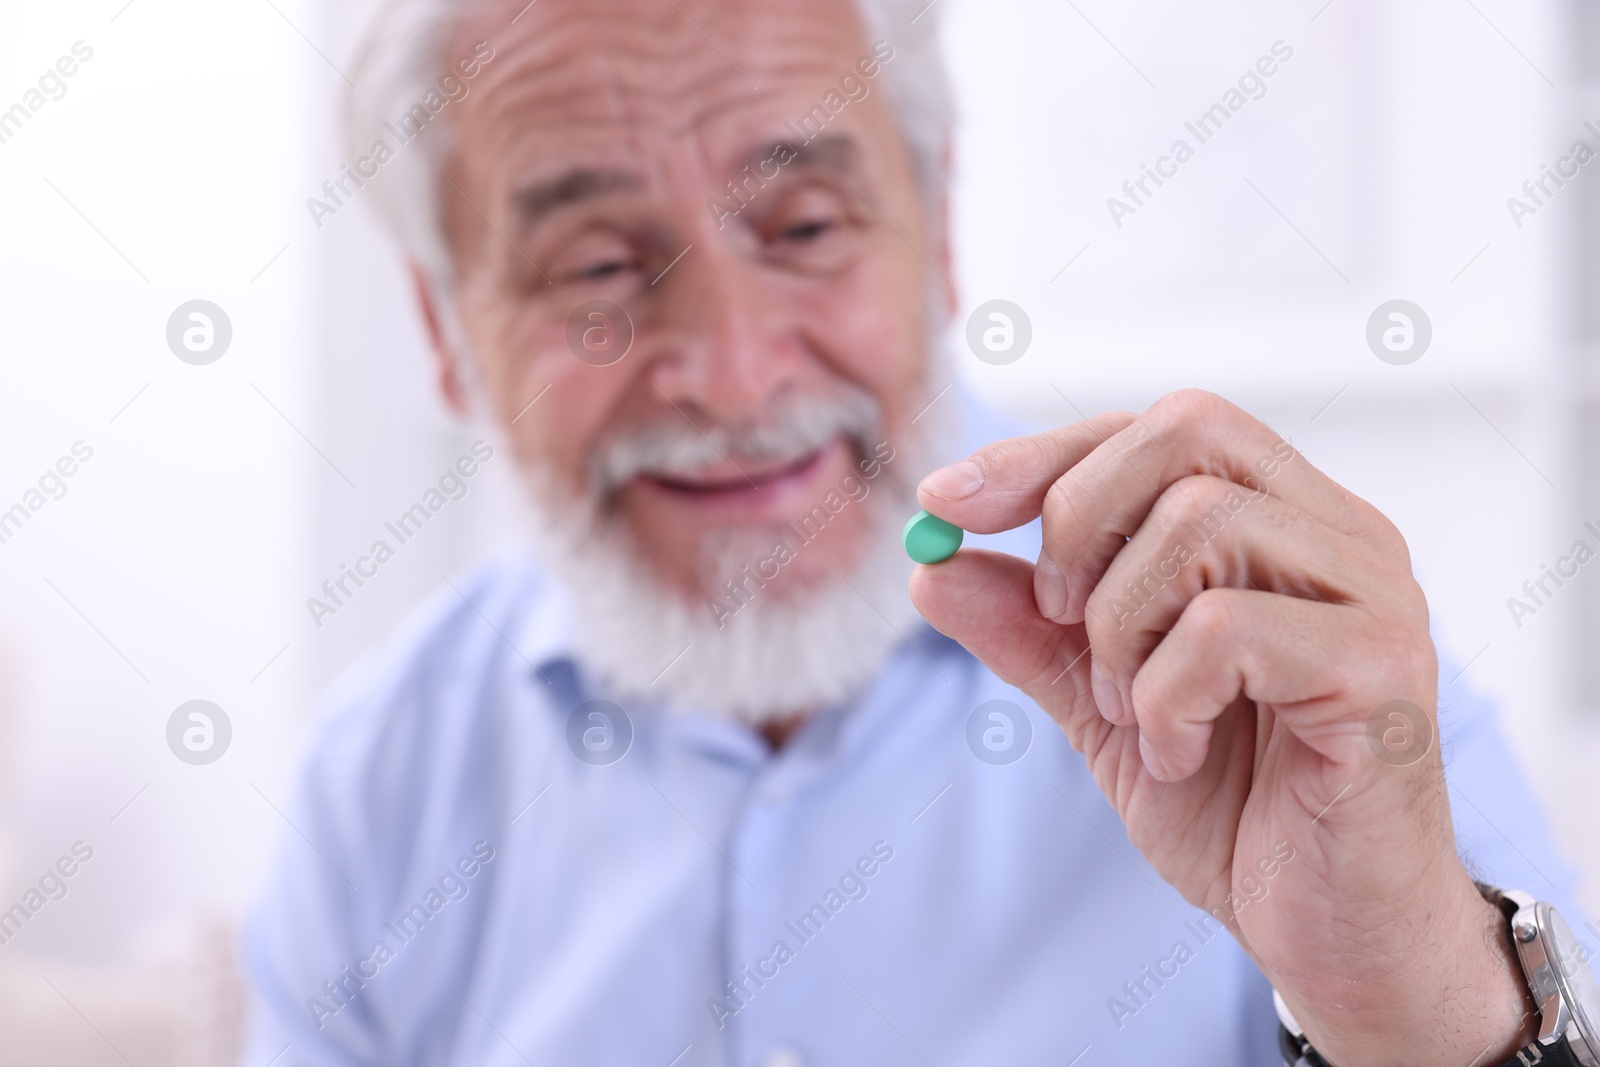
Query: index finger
1107,497
1003,485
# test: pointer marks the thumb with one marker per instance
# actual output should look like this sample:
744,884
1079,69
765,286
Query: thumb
984,600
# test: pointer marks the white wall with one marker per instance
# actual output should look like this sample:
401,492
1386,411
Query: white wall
165,173
220,498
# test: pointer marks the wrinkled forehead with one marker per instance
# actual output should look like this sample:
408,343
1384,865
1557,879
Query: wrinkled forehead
628,78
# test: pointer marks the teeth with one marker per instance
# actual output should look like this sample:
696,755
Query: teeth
799,427
768,471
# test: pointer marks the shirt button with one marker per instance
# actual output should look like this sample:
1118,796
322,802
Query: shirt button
783,1056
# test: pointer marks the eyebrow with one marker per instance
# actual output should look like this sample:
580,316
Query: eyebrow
828,152
540,199
836,152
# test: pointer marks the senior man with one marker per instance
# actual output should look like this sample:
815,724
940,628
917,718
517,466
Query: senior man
698,786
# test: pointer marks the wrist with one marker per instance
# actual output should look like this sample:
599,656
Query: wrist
1457,997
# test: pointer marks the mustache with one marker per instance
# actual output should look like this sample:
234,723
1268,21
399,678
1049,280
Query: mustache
795,426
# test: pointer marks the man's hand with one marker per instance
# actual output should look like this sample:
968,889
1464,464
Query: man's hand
1216,626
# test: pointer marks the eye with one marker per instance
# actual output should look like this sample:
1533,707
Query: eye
604,269
596,257
805,231
807,215
810,230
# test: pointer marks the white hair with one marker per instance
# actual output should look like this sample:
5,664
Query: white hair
400,59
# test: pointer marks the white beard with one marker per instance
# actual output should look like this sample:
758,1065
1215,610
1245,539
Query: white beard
777,648
783,652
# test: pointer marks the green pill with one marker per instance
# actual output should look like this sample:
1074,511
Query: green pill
929,539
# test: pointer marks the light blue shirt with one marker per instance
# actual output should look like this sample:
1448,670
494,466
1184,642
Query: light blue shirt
464,890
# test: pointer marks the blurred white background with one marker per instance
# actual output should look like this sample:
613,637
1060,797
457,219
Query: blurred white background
177,164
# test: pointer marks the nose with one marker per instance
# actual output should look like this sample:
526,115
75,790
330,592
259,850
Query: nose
720,337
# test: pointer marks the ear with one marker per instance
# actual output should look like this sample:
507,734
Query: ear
447,361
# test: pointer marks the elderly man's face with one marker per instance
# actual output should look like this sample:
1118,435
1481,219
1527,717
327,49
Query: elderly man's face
587,158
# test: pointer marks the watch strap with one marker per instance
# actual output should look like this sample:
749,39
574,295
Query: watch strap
1557,1054
1297,1052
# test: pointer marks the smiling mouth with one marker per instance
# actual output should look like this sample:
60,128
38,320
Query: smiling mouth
733,478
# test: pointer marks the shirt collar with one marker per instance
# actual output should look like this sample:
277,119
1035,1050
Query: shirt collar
544,636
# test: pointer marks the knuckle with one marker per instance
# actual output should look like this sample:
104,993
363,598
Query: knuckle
1113,422
1211,617
1195,510
1058,506
1375,528
1389,534
1191,406
1419,660
1407,669
1198,414
1187,499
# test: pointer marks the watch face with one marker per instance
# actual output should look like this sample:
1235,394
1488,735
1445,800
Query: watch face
1582,989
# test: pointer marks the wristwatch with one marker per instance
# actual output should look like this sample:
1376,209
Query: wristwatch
1556,965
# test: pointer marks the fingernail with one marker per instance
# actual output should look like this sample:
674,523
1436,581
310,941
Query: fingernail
1152,761
1107,697
1049,587
955,482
